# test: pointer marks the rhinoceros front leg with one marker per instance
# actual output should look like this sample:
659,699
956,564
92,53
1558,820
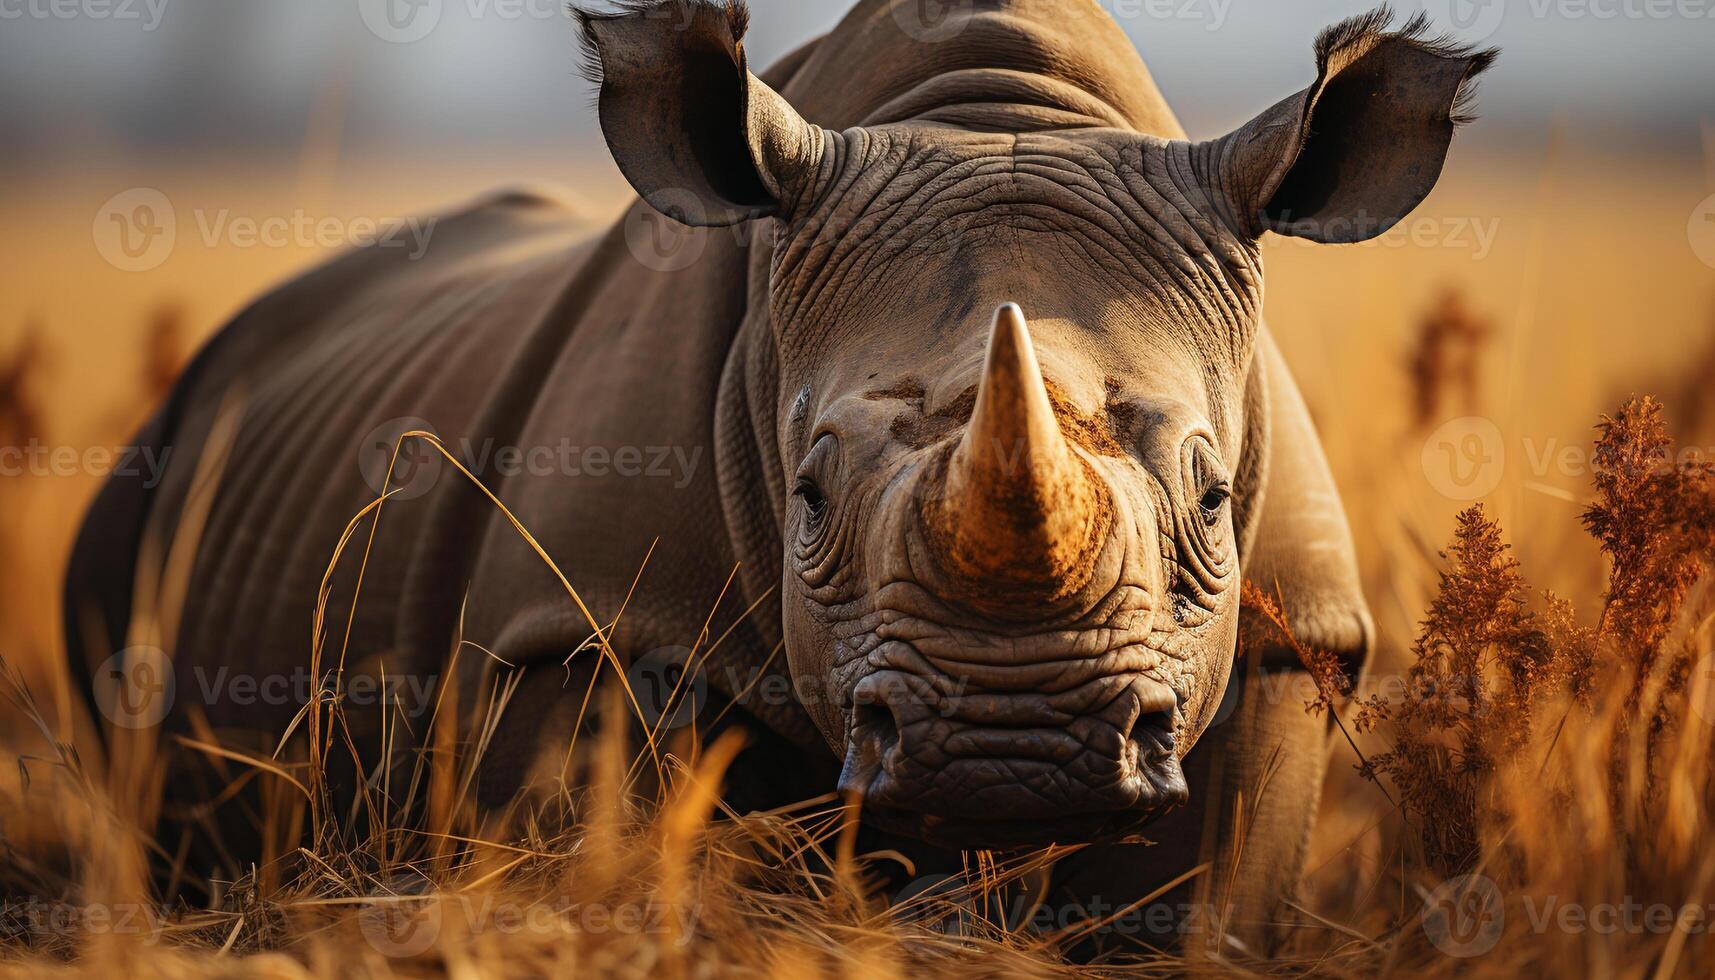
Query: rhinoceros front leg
1263,777
1256,780
1256,776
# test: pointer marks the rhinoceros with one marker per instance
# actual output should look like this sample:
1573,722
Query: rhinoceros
928,375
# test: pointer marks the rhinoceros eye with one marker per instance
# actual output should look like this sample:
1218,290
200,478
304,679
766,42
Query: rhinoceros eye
815,504
1213,500
821,468
1206,538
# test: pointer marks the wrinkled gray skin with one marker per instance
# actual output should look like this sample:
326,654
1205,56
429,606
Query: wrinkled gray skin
1004,233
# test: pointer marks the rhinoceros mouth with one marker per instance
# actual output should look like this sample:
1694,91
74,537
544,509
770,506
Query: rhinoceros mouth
1006,780
1158,791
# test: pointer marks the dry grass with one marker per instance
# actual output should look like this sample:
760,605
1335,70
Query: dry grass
1541,761
1445,359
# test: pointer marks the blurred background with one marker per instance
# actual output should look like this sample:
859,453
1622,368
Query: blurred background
1566,260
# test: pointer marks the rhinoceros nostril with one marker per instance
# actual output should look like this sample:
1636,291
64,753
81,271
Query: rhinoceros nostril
1152,729
874,721
1153,734
872,736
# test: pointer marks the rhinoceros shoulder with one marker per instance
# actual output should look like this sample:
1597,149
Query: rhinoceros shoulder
1302,550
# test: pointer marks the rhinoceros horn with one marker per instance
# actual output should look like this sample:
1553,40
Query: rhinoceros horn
1017,513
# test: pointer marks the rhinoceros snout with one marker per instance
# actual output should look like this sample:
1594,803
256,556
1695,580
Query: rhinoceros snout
999,769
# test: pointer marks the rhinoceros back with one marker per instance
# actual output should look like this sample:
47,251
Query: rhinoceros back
313,373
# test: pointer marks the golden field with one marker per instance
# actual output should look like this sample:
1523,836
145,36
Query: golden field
1579,291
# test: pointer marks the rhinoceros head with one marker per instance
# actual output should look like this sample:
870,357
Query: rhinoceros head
1009,394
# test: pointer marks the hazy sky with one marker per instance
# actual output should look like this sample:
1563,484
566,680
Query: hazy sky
193,75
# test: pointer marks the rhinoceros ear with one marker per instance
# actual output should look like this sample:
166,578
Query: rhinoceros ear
699,137
1347,158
